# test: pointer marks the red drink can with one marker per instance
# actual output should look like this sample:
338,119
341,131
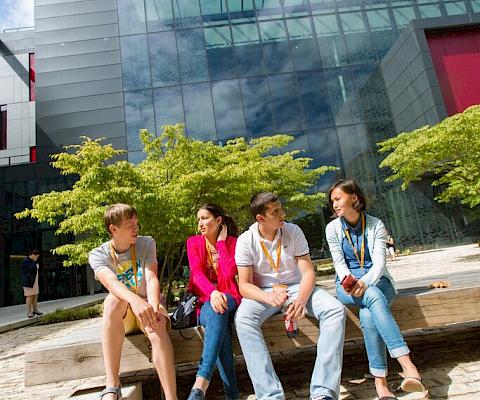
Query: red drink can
291,327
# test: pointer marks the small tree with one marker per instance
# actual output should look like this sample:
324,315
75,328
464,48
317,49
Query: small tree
177,176
450,150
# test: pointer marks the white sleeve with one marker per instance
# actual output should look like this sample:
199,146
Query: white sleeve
300,242
151,253
335,246
244,251
98,260
379,256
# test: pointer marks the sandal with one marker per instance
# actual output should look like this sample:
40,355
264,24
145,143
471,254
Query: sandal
412,384
113,390
388,398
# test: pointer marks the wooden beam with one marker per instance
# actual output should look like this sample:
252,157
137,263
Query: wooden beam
79,355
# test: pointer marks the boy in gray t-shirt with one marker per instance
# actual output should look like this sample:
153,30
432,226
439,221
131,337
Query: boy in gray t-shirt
127,266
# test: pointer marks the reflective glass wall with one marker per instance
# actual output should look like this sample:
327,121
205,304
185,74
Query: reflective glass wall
230,68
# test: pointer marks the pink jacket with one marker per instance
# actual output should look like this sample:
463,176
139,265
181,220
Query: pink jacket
227,269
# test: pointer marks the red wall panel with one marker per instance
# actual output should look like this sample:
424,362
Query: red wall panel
456,58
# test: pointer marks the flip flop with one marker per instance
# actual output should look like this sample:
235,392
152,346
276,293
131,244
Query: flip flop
388,398
411,384
116,390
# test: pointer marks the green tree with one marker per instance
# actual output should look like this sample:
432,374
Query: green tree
449,150
177,176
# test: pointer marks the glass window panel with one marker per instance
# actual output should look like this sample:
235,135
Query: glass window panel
193,58
299,142
287,110
403,15
360,48
168,107
349,5
138,115
267,9
295,8
159,15
217,36
240,6
272,31
187,13
210,7
250,60
227,104
456,8
136,71
136,157
214,10
305,54
430,10
257,106
244,34
221,63
316,105
324,142
353,141
199,119
333,51
276,57
322,6
475,5
352,22
299,28
383,41
163,59
379,20
326,25
131,17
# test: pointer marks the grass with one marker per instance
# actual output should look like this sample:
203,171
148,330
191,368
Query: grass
71,315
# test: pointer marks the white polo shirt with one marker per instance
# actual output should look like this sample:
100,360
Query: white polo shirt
249,253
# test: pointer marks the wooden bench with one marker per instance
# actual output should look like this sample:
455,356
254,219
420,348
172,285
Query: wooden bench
79,355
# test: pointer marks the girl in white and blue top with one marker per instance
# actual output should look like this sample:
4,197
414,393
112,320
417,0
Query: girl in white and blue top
357,244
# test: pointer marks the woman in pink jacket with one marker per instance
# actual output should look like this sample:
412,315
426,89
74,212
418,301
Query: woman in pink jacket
211,256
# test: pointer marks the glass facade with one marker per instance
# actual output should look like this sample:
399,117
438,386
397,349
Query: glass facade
230,68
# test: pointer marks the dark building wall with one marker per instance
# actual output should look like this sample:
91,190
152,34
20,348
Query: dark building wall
411,78
79,74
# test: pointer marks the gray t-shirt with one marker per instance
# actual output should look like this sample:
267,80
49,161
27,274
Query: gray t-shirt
146,254
249,253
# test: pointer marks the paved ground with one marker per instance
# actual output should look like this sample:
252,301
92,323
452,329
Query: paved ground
16,316
448,358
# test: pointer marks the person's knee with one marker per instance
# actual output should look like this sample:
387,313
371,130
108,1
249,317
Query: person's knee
243,318
113,307
373,294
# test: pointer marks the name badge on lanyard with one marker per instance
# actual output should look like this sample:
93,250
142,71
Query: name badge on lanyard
361,259
275,265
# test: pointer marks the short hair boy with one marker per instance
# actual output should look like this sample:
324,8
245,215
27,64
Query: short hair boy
275,270
127,266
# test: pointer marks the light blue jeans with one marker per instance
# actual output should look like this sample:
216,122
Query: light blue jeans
377,323
328,365
217,347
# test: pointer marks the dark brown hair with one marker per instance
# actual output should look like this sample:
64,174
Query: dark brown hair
260,201
117,213
351,187
217,211
34,252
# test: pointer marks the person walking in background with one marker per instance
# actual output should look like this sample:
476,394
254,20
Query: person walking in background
391,247
357,244
211,257
29,273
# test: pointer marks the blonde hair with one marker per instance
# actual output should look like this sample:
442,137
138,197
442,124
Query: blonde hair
117,213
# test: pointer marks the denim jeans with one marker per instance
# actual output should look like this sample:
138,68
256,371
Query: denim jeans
217,347
328,364
377,323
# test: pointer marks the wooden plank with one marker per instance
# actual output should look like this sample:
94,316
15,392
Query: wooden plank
80,355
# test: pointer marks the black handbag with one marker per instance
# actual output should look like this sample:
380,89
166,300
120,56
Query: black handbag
185,315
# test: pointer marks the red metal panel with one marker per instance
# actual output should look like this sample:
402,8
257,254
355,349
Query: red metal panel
456,58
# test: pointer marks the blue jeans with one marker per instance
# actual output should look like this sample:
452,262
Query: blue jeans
377,323
217,347
328,364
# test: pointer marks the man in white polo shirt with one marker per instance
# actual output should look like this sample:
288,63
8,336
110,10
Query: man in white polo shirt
274,269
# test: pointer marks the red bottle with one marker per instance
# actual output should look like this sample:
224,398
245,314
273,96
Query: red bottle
291,327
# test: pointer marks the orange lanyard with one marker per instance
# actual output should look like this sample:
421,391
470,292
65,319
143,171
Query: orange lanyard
361,261
275,266
133,255
210,255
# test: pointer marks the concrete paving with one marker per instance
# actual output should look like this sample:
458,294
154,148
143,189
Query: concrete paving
14,317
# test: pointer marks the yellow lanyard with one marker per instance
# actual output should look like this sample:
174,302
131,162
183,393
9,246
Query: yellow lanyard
210,256
133,255
275,266
361,261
